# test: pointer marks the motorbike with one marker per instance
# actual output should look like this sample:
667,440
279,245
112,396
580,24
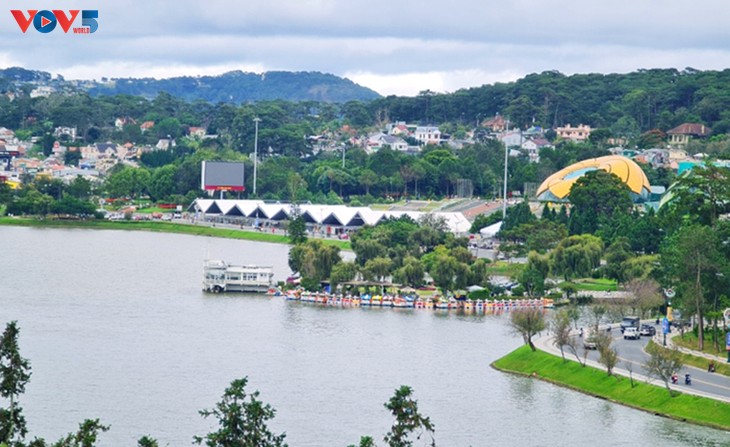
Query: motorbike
687,379
674,379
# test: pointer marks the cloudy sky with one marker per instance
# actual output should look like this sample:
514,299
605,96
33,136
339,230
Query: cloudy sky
392,46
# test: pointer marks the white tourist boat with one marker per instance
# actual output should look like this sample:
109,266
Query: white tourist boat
219,276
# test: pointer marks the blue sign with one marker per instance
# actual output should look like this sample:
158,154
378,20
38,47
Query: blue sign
727,342
665,326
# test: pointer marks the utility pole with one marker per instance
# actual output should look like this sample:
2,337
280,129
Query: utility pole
343,156
255,151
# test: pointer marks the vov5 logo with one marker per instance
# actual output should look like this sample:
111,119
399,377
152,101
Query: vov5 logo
45,21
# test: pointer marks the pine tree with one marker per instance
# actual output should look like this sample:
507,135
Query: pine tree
14,375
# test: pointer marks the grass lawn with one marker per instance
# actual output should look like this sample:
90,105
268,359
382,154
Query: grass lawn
652,398
504,268
163,227
690,341
700,362
593,285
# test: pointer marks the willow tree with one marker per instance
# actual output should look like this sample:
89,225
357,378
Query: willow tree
576,256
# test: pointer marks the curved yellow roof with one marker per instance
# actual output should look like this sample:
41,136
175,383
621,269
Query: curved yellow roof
558,185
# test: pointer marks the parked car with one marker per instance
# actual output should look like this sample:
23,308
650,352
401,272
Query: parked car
647,330
631,333
589,341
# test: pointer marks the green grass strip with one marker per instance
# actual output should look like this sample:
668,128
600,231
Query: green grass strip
593,285
162,227
689,341
721,367
595,382
504,268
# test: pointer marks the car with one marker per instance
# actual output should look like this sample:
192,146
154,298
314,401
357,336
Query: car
631,333
630,322
589,339
590,343
647,330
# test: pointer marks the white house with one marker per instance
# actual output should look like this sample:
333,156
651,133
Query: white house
512,138
377,141
428,135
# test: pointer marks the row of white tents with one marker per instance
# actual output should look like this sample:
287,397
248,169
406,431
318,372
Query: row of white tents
334,215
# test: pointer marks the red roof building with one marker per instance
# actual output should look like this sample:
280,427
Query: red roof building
681,135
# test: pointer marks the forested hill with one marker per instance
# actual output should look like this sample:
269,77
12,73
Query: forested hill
237,87
627,104
231,87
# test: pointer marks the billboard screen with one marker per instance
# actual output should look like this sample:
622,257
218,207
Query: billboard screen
222,176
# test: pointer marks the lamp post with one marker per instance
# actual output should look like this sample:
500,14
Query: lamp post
504,197
255,151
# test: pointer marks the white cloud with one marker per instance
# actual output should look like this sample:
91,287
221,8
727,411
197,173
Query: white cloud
410,84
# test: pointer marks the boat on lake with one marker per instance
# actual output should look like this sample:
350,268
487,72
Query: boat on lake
220,276
414,302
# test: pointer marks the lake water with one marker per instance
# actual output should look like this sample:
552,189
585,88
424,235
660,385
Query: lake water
116,327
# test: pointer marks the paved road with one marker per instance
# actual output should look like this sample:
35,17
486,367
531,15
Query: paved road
632,356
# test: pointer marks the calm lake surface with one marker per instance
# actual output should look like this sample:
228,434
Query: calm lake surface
117,328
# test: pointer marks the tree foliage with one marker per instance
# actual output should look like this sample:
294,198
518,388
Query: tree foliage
597,197
527,322
576,255
408,420
14,376
242,420
692,262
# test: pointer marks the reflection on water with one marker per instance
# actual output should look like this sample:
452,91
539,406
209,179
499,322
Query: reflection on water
523,390
116,327
606,415
669,432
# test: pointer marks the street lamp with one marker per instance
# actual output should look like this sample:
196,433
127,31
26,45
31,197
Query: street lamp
255,151
504,197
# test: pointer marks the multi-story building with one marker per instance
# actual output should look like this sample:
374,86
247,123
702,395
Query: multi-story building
580,133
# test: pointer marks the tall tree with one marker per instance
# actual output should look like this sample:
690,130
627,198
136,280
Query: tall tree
407,419
297,231
702,194
597,197
14,375
242,420
691,260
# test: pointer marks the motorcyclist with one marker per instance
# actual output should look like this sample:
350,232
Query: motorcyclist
687,379
674,378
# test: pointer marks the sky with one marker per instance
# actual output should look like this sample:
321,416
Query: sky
395,47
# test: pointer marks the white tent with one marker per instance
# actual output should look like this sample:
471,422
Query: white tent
491,230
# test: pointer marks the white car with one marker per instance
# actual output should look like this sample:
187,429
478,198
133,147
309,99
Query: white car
631,333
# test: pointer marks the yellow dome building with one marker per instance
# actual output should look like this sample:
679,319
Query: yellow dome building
557,187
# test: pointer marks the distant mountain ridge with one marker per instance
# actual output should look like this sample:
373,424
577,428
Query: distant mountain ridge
232,87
